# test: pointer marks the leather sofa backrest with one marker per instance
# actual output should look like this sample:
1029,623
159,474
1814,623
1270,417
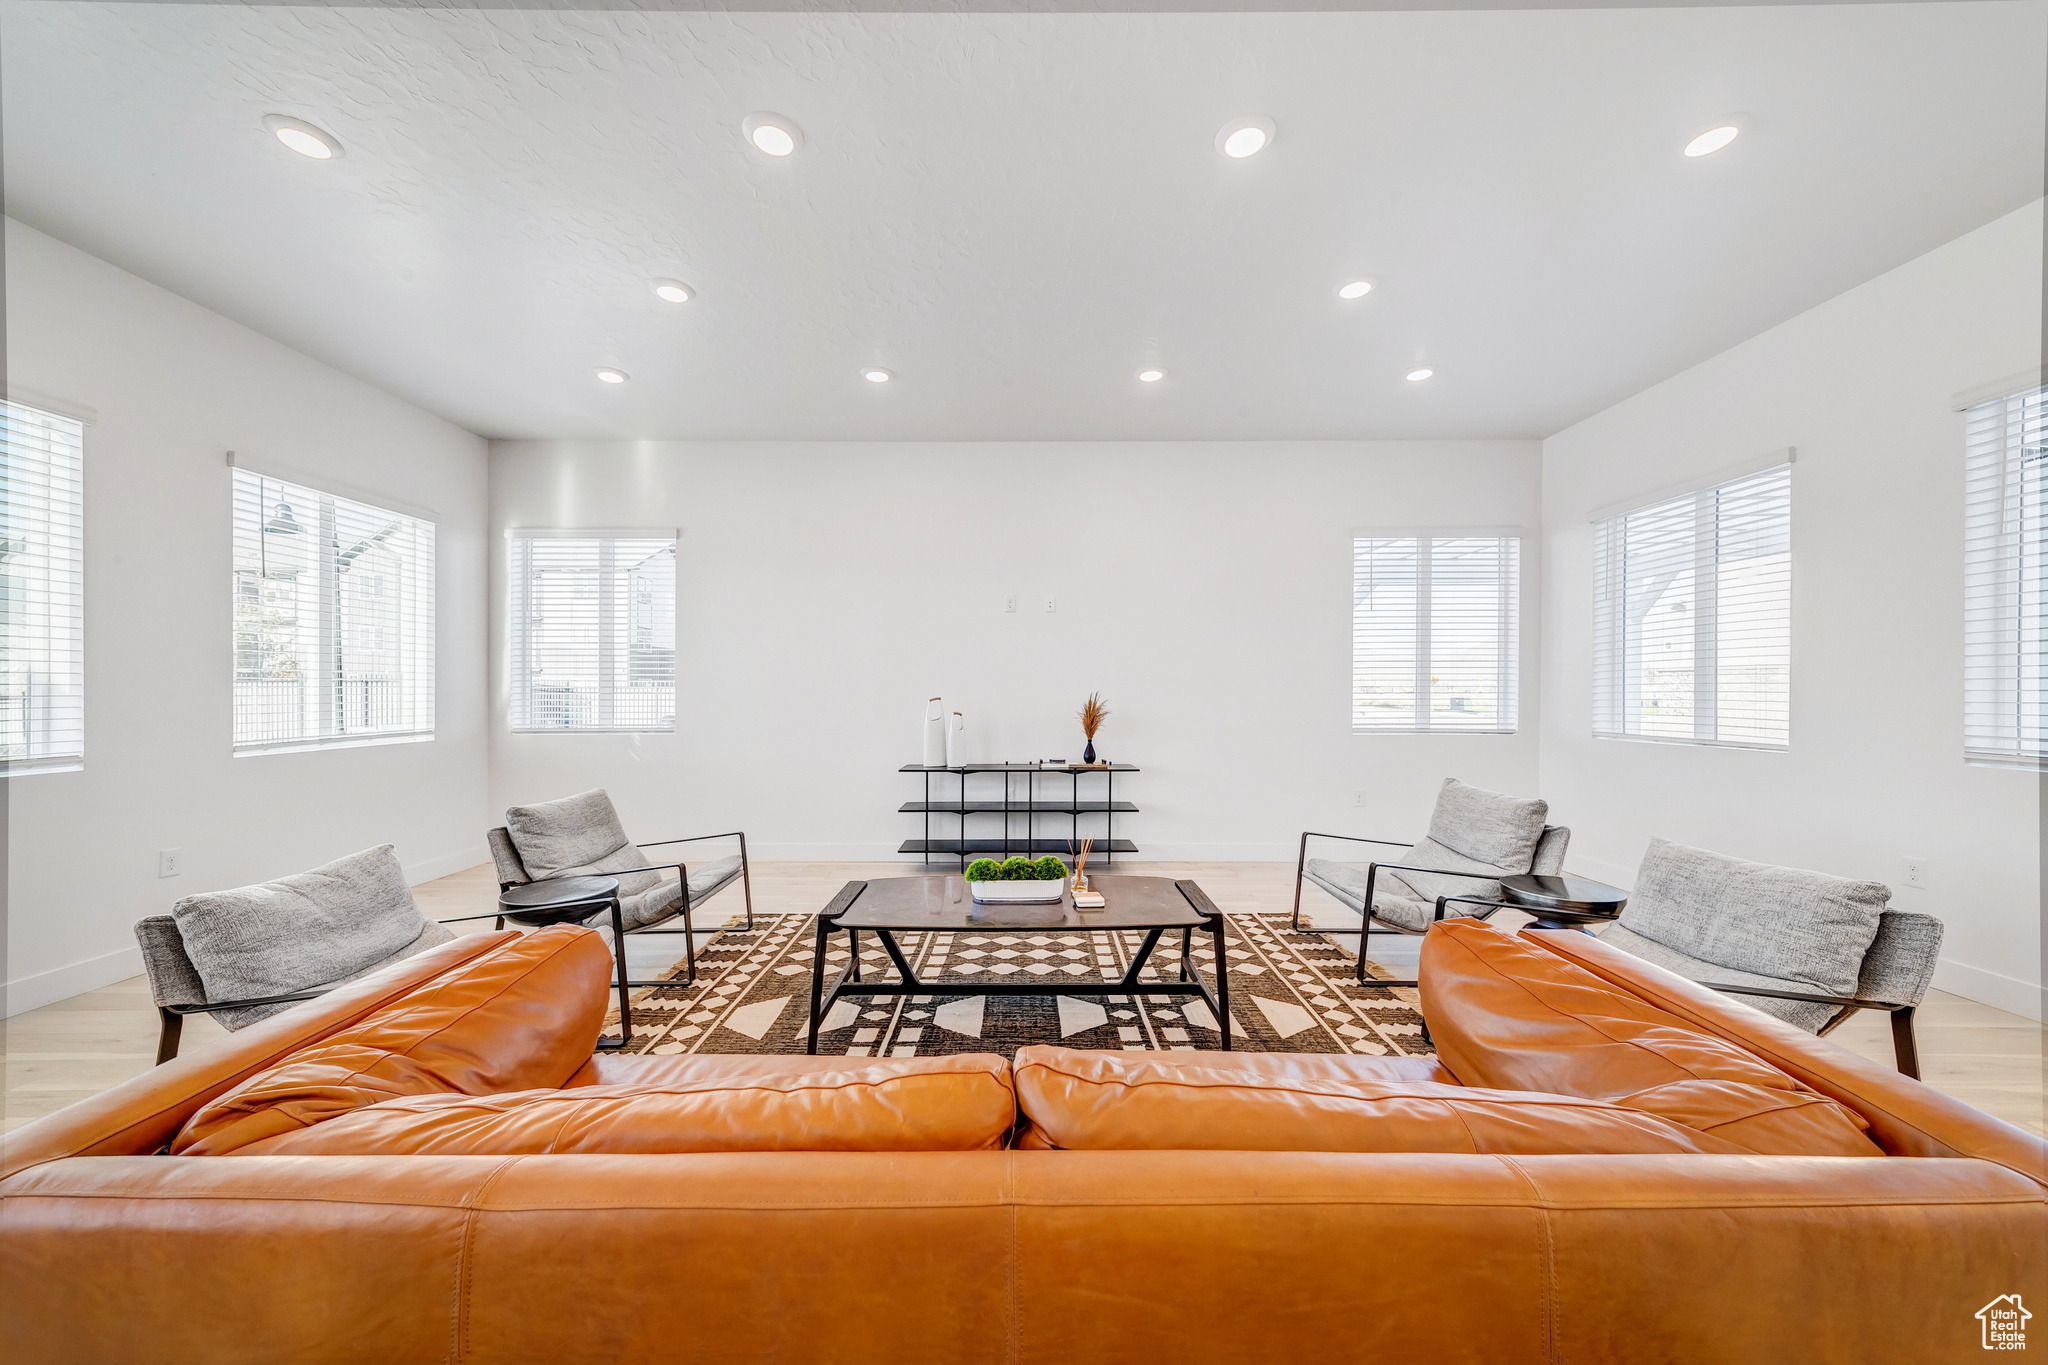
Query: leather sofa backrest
1907,1117
141,1115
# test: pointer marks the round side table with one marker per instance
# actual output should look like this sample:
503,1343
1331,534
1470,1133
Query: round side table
571,900
1564,902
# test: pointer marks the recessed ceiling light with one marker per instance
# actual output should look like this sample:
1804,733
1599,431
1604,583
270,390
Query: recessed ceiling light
1713,140
302,137
772,133
1151,376
1246,136
611,376
1417,376
875,374
1357,289
673,291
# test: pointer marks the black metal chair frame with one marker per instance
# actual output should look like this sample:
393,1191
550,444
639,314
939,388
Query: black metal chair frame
1372,872
1905,1045
682,871
172,1017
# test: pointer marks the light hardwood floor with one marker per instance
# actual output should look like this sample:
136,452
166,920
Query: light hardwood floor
78,1047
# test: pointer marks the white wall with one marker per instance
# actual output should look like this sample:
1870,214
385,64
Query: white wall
1862,387
826,590
174,388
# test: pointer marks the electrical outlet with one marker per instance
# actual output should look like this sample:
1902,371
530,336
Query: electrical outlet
1009,604
1052,604
1915,872
169,862
1358,798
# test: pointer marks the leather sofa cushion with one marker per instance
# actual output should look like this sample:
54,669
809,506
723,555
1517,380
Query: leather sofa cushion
1095,1101
958,1103
524,1016
1508,1015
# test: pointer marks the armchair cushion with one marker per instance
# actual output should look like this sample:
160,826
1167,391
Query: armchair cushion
1508,1015
524,1016
172,980
575,836
1474,830
1486,826
1798,1013
659,897
580,836
1901,958
1391,901
315,928
1777,922
1125,1101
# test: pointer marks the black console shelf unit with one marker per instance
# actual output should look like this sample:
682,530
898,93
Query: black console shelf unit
1026,799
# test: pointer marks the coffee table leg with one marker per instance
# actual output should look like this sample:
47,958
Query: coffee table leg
1138,958
619,956
818,981
1187,962
1216,927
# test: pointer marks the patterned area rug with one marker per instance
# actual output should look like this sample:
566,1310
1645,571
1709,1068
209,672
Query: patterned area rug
1289,992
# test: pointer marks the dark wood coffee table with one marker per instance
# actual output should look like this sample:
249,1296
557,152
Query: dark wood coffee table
924,905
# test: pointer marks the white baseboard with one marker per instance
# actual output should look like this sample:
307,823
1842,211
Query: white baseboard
445,866
61,983
2008,993
763,852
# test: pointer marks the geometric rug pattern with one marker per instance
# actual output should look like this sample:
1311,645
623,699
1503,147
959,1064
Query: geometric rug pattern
1289,992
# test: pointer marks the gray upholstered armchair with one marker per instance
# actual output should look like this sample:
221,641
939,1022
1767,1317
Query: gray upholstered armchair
581,836
1475,838
249,953
1806,947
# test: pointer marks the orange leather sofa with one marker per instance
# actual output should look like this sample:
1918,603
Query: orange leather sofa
111,1252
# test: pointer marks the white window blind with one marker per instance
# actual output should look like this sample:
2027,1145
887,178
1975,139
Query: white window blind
593,631
1435,622
2002,577
334,620
42,582
1692,638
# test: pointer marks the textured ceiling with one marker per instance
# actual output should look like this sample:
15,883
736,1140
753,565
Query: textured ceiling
1015,212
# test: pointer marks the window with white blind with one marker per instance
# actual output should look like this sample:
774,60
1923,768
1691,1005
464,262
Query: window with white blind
593,630
1692,616
1435,622
42,583
2004,444
334,620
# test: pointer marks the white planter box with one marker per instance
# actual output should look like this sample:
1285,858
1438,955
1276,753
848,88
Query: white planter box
1019,893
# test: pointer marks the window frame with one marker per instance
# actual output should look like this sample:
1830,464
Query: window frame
66,500
1508,664
613,643
1611,648
2005,513
417,669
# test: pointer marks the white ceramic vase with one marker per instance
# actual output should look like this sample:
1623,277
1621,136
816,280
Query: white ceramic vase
934,733
956,740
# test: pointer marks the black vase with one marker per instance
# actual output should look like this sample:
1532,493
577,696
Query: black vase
1088,754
